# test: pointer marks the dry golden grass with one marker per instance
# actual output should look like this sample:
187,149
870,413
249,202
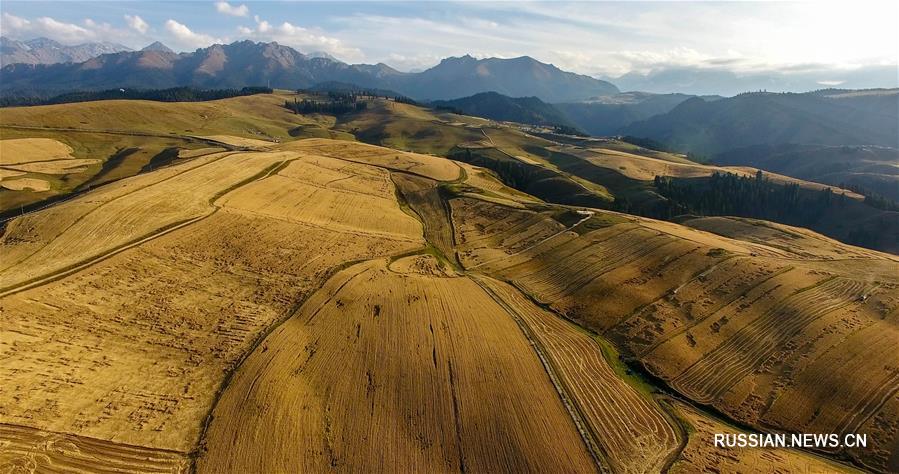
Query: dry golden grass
254,117
25,449
98,223
251,143
55,166
428,166
701,455
380,371
6,174
483,179
301,193
772,341
781,240
630,429
645,168
26,150
199,152
22,184
497,232
132,349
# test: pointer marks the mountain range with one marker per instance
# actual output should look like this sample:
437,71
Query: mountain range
826,117
47,51
246,63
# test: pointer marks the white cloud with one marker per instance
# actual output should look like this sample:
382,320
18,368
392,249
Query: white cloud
304,39
186,37
228,9
13,23
137,23
69,33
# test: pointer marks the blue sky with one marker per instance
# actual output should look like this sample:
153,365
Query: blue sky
597,38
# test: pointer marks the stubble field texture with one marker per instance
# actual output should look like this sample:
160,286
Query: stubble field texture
260,302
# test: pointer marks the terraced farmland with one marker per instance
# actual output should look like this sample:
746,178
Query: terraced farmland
769,341
631,430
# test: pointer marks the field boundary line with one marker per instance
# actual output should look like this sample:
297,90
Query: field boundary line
567,229
571,405
116,198
64,272
186,454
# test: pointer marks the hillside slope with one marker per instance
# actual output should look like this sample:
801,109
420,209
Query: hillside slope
821,118
496,106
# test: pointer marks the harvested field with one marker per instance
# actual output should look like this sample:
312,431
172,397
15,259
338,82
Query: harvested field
644,168
25,449
418,354
771,341
630,429
428,166
6,174
483,179
498,230
27,150
251,143
98,223
142,364
781,240
300,193
55,166
199,152
701,455
25,184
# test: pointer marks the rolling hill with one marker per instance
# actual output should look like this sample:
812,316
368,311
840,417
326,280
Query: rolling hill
189,318
868,169
608,115
496,106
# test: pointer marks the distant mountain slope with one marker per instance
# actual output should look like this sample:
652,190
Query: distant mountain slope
246,63
824,117
606,115
867,169
492,105
47,51
519,77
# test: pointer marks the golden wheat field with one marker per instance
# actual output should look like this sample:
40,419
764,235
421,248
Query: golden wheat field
770,341
418,354
264,303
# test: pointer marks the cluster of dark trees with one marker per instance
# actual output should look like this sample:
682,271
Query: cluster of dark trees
647,143
756,197
568,130
871,198
338,104
175,94
449,109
